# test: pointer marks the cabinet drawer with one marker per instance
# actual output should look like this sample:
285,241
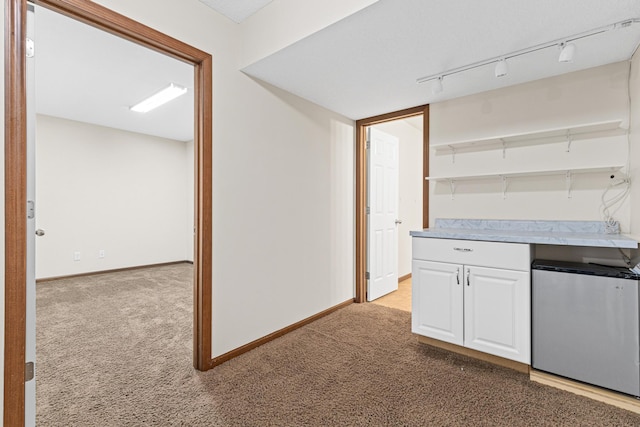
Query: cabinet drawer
512,256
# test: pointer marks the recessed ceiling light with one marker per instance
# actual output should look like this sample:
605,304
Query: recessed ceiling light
165,95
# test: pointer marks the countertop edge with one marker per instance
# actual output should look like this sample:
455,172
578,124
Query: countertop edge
605,240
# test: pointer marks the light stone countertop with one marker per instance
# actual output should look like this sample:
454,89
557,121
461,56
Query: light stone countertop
568,233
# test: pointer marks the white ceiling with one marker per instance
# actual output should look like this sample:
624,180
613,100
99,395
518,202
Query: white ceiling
367,64
88,75
236,10
364,65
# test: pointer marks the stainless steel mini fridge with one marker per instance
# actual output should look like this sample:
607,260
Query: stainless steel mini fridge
586,324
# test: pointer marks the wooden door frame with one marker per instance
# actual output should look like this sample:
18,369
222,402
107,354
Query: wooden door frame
15,180
361,185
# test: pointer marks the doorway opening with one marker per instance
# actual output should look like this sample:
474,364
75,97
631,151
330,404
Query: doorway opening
114,194
15,180
364,184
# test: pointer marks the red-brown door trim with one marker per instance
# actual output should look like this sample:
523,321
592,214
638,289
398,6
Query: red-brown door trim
15,180
361,186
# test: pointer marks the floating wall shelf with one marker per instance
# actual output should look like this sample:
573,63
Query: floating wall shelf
568,134
504,176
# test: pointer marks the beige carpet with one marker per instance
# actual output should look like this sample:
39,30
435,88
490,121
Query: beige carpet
115,350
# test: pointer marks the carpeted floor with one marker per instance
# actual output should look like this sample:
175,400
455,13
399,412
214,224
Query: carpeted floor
115,350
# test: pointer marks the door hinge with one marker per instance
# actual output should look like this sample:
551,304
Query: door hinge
368,144
30,48
368,210
29,371
31,209
366,275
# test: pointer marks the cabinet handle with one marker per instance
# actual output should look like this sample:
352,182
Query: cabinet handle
458,276
468,277
463,249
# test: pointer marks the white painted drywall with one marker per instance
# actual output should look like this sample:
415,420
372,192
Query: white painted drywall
592,95
282,187
190,186
100,188
284,22
410,187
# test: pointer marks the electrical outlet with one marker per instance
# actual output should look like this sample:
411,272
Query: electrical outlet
76,256
101,253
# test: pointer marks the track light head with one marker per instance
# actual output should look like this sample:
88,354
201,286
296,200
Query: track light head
501,68
437,86
567,52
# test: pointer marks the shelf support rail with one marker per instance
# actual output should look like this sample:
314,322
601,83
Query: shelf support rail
452,184
569,182
569,140
504,186
453,153
504,148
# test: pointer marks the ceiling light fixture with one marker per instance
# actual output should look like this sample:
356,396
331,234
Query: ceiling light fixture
564,43
165,95
437,86
501,68
567,52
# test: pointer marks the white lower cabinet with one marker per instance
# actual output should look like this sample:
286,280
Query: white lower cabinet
497,312
436,303
482,308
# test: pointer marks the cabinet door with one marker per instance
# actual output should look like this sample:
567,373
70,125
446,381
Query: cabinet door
437,293
497,312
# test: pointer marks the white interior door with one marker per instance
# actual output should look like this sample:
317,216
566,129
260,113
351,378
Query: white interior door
382,251
30,350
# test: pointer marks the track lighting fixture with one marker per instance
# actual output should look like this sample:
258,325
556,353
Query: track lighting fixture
501,68
437,86
567,52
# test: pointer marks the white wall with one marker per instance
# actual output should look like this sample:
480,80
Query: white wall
410,187
282,187
100,188
586,96
284,22
190,185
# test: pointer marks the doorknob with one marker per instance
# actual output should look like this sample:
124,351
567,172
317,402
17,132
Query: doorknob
398,221
39,232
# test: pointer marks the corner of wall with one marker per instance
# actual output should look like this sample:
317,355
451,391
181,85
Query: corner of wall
284,22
